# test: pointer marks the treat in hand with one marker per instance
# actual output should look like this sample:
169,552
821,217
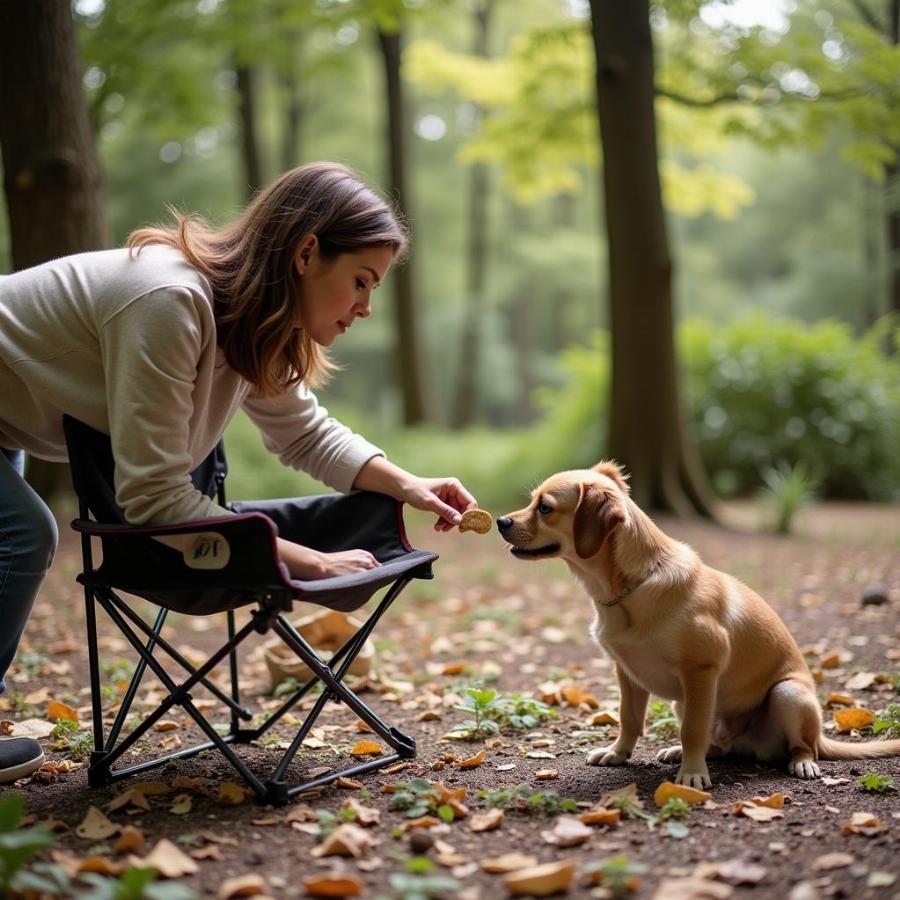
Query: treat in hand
477,520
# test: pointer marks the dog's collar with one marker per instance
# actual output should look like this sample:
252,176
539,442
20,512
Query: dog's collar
629,589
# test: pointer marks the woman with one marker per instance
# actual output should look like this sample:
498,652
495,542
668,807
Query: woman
159,344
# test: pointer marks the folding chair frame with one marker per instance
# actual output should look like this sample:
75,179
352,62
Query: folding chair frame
269,615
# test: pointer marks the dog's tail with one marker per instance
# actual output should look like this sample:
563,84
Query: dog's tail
829,749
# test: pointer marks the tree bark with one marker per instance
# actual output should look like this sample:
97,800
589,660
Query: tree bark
293,103
892,187
647,431
51,173
247,76
407,354
465,402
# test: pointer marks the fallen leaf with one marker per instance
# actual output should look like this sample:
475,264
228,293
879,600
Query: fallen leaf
546,774
692,889
832,661
508,862
863,823
734,871
541,881
604,718
346,840
472,762
366,748
758,813
332,884
348,784
231,794
57,711
210,851
421,822
567,832
667,790
776,801
600,815
836,699
168,860
848,719
181,805
96,827
33,728
455,668
166,725
860,681
575,695
131,840
832,861
365,815
250,885
131,797
488,821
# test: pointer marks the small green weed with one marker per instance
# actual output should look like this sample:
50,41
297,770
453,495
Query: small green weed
875,783
491,711
662,723
525,799
409,886
329,820
421,797
787,489
135,884
17,846
675,808
618,873
889,722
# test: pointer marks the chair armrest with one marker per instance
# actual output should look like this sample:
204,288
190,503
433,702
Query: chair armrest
197,526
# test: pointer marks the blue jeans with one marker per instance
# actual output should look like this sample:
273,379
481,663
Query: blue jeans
28,538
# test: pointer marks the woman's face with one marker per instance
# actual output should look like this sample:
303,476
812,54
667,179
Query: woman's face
335,292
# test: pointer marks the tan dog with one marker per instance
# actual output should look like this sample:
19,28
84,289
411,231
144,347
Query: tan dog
681,630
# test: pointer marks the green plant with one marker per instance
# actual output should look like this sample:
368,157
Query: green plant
675,808
524,799
662,723
875,783
17,846
66,736
135,884
409,886
421,797
888,722
618,873
787,490
490,710
329,820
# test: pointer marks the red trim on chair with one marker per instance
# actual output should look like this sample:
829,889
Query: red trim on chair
402,524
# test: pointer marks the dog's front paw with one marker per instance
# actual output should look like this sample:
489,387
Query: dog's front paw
669,754
804,768
695,779
607,756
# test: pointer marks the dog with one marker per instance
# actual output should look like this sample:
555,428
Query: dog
680,630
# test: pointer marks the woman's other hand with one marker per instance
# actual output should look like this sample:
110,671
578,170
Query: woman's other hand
308,564
446,497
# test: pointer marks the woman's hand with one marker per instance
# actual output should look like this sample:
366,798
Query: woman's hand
444,496
308,564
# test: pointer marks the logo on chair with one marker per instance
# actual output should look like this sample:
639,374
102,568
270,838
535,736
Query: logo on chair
208,550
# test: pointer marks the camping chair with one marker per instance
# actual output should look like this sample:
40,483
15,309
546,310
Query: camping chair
227,563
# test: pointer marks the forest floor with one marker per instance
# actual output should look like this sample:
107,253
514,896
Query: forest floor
515,628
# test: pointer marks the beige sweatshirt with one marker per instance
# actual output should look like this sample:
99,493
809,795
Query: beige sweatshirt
128,346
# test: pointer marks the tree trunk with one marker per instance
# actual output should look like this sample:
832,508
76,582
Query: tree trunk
647,431
892,188
293,103
247,76
51,174
465,401
407,354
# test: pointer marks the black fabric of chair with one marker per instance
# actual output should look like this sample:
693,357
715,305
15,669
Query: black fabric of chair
223,564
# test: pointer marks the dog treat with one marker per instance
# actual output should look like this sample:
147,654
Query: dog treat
477,520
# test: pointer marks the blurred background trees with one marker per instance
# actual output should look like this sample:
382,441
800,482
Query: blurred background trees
776,131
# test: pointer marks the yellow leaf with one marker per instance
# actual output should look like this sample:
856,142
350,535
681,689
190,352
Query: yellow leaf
488,821
231,794
848,719
332,884
473,762
242,886
776,801
601,816
346,840
667,790
508,862
365,748
604,718
834,698
60,712
181,805
131,840
541,881
455,668
166,725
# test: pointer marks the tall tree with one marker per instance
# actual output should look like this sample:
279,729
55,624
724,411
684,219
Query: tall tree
408,350
52,178
647,431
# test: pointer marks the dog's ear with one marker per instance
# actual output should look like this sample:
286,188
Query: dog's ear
596,517
611,469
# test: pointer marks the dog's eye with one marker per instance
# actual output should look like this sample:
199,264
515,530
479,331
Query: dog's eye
544,508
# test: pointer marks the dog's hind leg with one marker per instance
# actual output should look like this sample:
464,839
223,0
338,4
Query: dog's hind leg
795,724
632,710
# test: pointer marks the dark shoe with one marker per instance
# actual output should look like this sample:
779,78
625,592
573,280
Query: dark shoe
19,757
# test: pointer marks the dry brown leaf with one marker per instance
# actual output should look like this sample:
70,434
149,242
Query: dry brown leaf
332,884
99,865
168,860
472,762
131,797
600,815
546,774
692,889
151,788
455,668
832,861
567,831
96,827
487,821
628,793
181,805
231,794
346,840
837,699
250,885
860,681
166,725
57,711
348,784
758,813
131,840
421,822
848,719
831,661
210,851
775,801
541,881
667,790
365,815
575,695
864,823
604,718
508,862
366,748
734,871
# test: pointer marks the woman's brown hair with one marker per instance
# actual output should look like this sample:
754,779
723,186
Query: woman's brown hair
250,265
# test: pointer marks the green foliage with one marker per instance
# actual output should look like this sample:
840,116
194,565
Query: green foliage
618,873
675,808
524,799
491,710
787,489
18,845
135,884
888,723
875,783
662,723
409,886
420,797
329,820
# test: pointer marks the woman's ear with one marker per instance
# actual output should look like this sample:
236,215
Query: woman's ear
305,253
597,516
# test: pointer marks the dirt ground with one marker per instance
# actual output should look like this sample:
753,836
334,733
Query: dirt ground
516,628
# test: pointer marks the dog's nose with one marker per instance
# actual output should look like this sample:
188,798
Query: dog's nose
504,522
